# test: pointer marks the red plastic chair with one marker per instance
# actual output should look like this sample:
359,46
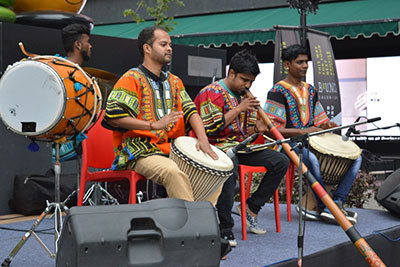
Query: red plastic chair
245,193
289,182
98,152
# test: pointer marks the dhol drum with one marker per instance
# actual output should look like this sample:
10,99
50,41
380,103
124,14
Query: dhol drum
334,155
48,98
205,174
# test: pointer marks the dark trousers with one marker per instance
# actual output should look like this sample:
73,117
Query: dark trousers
277,164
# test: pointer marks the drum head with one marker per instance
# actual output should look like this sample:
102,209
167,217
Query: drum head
32,98
333,144
187,145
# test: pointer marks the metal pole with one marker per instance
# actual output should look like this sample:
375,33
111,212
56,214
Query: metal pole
57,209
303,24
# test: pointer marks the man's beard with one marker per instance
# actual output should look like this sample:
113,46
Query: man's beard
85,55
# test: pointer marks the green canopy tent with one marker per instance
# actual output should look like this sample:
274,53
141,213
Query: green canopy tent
368,21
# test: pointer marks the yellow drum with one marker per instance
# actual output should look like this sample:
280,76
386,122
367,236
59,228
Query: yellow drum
73,6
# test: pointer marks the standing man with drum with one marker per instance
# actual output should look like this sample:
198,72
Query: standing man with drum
147,109
229,118
294,108
76,42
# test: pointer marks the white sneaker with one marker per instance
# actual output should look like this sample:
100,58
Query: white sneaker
251,222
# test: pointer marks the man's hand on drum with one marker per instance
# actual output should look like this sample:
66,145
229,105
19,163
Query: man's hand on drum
168,119
311,129
328,124
204,146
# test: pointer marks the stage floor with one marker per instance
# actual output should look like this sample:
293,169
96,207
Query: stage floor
257,250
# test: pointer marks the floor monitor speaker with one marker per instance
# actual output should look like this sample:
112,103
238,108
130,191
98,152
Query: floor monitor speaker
160,232
389,193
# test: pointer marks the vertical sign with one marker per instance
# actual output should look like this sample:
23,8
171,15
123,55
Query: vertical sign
325,75
283,39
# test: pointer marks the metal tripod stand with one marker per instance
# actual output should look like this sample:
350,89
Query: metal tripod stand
55,208
97,194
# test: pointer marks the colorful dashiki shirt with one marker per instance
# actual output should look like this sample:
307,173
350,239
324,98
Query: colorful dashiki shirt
141,94
292,107
212,103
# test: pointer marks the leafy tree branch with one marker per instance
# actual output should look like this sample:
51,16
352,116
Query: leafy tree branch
158,11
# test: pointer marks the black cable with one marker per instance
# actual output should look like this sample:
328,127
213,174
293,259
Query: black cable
380,232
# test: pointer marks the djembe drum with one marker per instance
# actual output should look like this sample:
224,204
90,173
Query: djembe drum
205,174
335,156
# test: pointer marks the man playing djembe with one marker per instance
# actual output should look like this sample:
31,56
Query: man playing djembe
147,109
294,108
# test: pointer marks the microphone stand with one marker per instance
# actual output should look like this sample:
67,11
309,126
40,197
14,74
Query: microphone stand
300,137
242,145
378,128
300,236
300,141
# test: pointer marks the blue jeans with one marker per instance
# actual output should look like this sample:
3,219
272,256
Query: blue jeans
343,189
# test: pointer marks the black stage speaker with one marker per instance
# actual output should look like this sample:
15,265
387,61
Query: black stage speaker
389,193
160,232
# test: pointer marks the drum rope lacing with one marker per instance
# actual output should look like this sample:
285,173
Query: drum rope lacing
85,111
197,165
97,95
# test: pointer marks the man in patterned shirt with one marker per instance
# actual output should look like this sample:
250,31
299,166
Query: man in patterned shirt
293,106
229,118
147,109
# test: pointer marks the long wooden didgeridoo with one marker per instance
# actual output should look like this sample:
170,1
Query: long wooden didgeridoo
368,253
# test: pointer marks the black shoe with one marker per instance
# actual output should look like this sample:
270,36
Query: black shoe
228,235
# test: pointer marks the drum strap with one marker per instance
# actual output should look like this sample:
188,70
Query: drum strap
57,62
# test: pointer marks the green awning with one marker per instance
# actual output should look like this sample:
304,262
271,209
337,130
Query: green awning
340,19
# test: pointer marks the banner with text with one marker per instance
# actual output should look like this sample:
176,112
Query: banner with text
283,39
325,75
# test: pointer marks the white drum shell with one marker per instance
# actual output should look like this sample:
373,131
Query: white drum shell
31,91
